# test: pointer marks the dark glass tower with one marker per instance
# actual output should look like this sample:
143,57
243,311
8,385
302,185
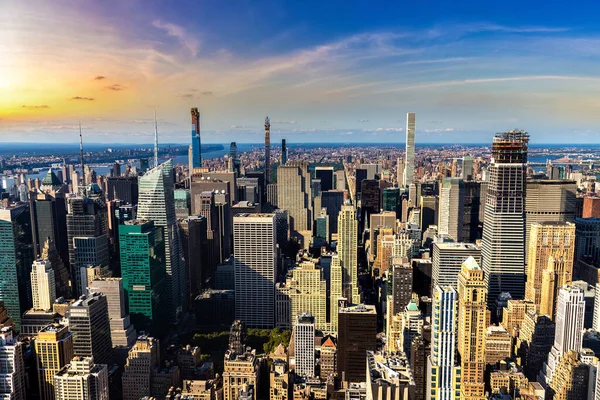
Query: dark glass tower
196,151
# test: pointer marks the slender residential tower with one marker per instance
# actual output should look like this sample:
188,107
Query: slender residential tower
503,244
283,152
409,164
196,153
267,152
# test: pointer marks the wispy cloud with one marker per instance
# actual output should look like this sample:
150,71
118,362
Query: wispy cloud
39,107
187,96
187,40
99,78
83,98
280,122
116,87
207,93
363,120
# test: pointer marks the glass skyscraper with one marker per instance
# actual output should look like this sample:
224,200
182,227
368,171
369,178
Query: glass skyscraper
196,152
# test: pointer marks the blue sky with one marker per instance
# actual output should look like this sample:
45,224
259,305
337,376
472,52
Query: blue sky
339,71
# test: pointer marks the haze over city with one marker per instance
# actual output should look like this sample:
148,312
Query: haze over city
323,71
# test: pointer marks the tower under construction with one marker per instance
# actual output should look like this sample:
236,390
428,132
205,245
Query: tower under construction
196,152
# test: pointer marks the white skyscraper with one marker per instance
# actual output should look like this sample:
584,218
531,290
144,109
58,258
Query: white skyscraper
304,345
43,286
157,203
442,367
450,221
255,265
347,247
82,380
570,312
409,164
12,367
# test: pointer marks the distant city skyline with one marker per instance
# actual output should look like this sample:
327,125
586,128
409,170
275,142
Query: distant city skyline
320,71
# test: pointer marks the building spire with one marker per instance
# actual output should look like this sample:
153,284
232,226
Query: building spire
155,141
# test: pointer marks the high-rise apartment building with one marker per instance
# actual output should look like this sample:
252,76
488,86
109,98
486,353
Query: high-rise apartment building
402,279
53,350
409,164
548,200
549,239
268,151
16,258
12,367
347,247
196,143
122,333
443,370
472,325
304,345
43,286
89,323
82,379
294,194
156,203
447,259
357,331
143,358
143,268
255,266
570,313
503,244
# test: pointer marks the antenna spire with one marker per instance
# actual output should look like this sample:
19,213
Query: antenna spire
155,141
81,154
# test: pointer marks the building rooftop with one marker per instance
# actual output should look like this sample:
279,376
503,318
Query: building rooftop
359,308
470,263
456,246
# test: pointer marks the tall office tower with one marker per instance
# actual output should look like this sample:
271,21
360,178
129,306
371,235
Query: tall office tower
471,203
43,286
336,285
233,154
199,271
391,199
82,379
183,203
272,194
16,258
49,217
284,153
534,343
409,165
240,370
447,259
570,312
322,226
308,293
5,318
549,239
503,248
268,151
514,315
347,248
429,212
591,207
294,194
357,331
143,269
143,358
467,168
547,201
12,366
472,325
87,231
238,337
443,370
370,197
53,350
587,233
196,147
572,380
332,201
156,203
304,345
400,172
122,332
402,279
255,269
89,323
124,188
325,174
451,208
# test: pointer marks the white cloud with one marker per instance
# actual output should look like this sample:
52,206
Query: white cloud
178,32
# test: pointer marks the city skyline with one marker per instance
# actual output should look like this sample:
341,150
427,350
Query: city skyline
320,72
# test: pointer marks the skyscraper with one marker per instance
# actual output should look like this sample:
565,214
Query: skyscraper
549,239
89,323
12,367
43,286
472,325
255,266
443,371
156,203
267,152
304,345
467,168
294,194
409,164
450,210
325,174
143,357
447,259
196,146
308,293
356,334
53,350
82,379
503,247
347,248
284,153
143,268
